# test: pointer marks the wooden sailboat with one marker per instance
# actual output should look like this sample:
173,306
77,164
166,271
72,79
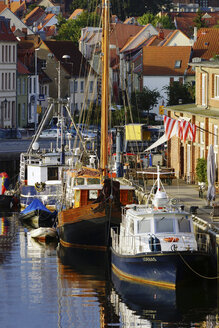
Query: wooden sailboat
87,223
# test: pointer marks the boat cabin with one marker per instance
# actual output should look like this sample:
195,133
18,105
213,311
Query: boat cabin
149,230
88,193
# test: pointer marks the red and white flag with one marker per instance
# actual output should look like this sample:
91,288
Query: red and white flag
169,124
183,129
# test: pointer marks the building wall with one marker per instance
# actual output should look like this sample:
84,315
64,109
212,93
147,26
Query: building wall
22,104
8,65
207,133
211,99
159,82
179,39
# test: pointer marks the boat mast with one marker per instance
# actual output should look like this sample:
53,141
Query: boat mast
105,87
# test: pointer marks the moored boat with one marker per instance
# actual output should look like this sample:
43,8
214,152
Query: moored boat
38,215
156,243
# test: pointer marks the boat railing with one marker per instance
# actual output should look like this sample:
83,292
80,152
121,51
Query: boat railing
139,244
203,242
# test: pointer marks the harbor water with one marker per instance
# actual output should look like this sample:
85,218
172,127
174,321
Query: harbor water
50,286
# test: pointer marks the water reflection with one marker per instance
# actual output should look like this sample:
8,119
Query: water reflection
144,305
42,285
84,282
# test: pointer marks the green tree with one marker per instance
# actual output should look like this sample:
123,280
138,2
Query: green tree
71,29
155,20
143,101
177,91
199,21
60,21
201,170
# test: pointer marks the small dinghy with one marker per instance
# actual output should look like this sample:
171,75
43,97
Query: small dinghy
44,234
38,214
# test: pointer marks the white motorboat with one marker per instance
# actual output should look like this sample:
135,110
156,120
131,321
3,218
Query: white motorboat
156,243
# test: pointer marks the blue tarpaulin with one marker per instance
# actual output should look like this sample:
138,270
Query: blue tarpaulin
35,205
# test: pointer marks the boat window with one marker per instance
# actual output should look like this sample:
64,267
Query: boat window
52,173
93,181
93,194
184,225
144,226
164,225
79,181
132,226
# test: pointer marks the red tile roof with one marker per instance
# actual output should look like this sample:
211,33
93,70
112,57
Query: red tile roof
21,68
158,61
45,21
2,6
121,33
80,66
185,21
207,44
34,15
5,31
76,13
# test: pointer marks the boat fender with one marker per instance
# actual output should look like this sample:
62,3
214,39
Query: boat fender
157,246
151,243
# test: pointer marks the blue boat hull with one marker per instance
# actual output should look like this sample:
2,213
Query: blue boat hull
161,269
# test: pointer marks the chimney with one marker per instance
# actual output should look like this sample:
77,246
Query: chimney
195,34
161,34
13,28
24,30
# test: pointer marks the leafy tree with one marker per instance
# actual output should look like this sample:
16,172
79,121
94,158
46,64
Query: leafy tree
148,18
176,90
164,21
201,170
199,21
60,20
142,101
71,29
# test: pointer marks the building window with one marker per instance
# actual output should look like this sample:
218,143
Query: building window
6,54
9,54
203,90
9,109
23,86
91,86
75,86
14,54
9,81
6,81
3,54
215,135
19,86
82,86
216,90
13,81
23,112
177,63
6,111
3,81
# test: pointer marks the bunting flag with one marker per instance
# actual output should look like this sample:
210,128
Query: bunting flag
183,129
169,124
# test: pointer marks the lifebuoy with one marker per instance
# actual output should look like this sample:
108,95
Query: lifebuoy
171,239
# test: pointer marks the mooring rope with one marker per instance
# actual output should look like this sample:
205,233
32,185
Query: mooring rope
198,274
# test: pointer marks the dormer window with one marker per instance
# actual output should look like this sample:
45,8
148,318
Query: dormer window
178,63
